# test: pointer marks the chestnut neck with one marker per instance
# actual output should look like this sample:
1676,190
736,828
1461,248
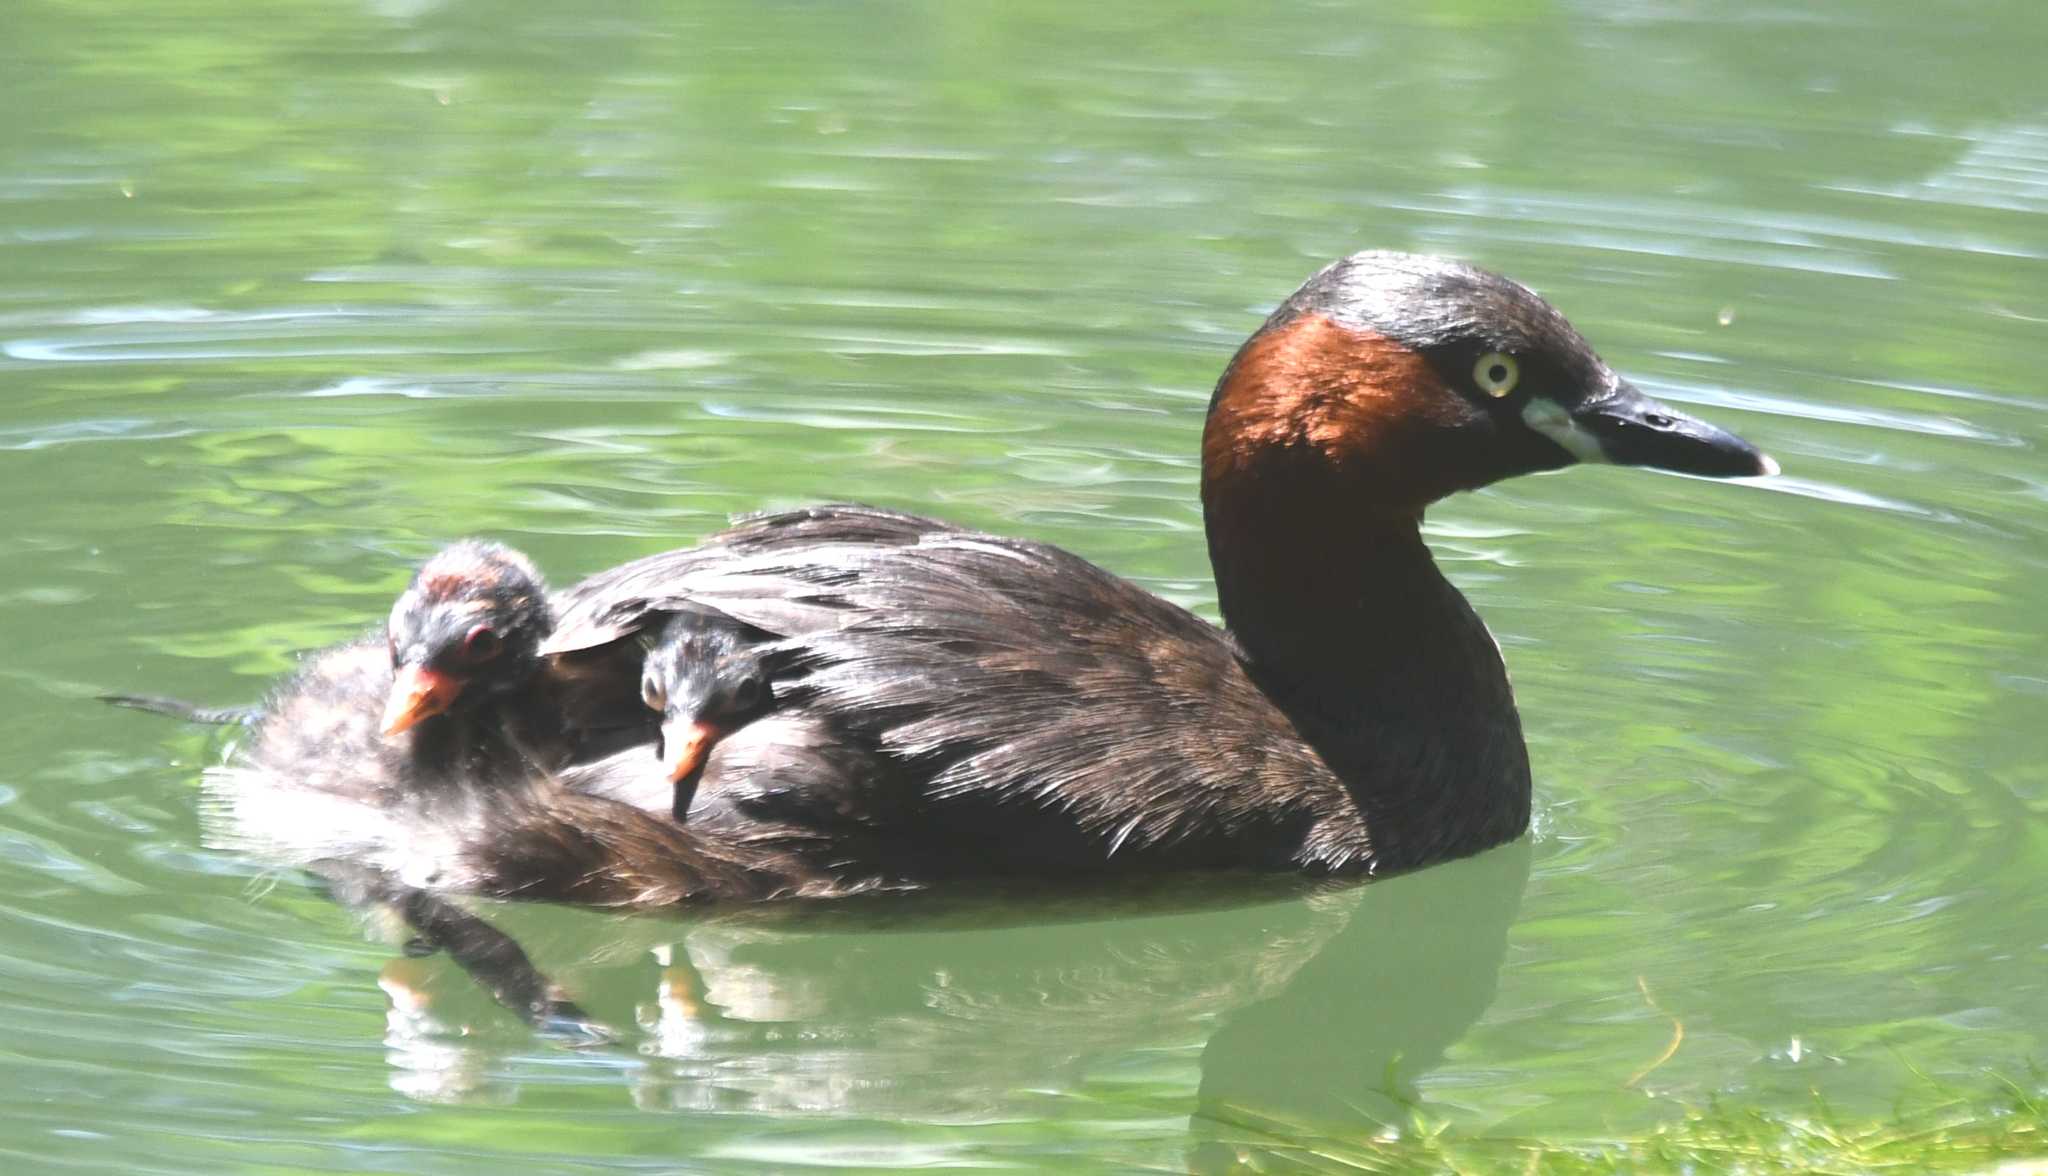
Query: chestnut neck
1340,613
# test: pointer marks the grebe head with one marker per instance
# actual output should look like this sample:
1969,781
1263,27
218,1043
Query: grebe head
1404,378
705,675
470,620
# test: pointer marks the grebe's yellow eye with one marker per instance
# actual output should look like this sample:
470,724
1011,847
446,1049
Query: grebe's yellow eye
1496,373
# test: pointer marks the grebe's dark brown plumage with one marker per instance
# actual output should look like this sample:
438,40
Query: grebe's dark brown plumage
1013,709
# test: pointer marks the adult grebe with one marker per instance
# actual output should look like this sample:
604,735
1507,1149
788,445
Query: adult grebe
1006,708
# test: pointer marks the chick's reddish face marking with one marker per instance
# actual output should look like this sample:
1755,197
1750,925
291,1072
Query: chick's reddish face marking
460,575
451,583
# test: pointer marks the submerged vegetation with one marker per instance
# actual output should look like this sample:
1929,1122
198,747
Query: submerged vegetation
2001,1129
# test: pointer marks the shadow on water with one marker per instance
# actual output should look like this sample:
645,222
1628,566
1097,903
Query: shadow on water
1317,1006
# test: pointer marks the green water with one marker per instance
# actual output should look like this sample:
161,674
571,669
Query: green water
290,296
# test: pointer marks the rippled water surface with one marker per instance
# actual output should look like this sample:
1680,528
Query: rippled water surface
290,296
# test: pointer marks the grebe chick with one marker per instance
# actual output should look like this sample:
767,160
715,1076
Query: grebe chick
706,676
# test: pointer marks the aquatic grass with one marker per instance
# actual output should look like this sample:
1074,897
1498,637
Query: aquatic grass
1939,1127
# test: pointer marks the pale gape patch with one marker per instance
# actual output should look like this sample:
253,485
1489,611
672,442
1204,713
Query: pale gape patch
1543,415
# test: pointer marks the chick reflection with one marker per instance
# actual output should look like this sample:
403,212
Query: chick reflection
1319,1005
429,1060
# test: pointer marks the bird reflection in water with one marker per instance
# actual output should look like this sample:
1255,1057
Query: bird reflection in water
1320,1009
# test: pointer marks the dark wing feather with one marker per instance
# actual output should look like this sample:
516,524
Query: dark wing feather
738,565
1045,712
1080,716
